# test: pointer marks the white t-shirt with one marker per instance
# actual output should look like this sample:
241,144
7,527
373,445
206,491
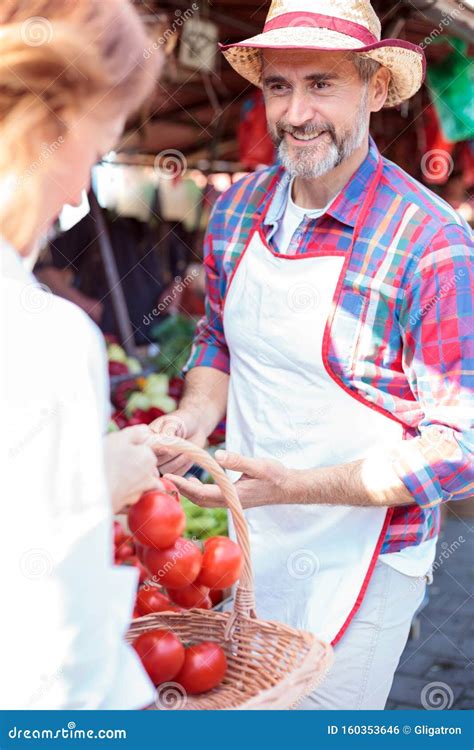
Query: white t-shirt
413,560
292,218
65,606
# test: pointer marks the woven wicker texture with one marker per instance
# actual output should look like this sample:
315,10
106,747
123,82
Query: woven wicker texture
270,665
404,62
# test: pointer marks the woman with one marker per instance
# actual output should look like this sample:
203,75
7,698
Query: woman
70,74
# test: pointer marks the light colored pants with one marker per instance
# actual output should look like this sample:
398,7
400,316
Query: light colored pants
366,657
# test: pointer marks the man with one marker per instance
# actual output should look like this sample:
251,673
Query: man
338,339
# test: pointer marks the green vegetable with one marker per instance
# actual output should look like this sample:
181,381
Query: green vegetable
175,336
201,523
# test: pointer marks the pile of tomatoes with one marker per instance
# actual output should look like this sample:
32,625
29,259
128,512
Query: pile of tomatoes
178,570
174,574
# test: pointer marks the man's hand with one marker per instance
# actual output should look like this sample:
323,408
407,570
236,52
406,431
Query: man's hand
264,481
181,423
367,482
130,465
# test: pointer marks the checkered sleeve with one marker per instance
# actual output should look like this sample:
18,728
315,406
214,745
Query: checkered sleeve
209,346
437,327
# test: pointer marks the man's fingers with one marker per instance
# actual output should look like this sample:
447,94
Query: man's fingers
207,495
253,467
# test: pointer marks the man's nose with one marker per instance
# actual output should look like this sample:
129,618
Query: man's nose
300,110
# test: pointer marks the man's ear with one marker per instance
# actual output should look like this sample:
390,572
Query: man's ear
379,86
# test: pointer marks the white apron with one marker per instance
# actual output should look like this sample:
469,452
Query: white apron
312,563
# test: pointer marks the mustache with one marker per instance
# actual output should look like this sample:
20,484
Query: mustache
305,130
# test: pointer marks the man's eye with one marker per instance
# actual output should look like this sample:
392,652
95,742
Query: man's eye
321,85
277,88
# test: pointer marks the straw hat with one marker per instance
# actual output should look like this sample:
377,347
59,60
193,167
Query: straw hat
331,25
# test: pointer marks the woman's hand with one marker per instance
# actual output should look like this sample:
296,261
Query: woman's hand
182,424
130,465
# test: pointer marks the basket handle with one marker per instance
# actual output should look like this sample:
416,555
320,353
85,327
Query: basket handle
244,602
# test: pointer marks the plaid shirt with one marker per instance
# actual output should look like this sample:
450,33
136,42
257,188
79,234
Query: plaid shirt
402,336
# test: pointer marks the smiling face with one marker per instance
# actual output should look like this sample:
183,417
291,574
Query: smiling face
318,108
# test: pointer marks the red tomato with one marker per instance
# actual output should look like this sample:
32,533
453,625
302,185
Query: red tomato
124,551
117,368
136,613
156,519
176,566
191,596
169,488
175,388
216,597
151,600
140,551
204,668
162,654
135,562
119,533
222,563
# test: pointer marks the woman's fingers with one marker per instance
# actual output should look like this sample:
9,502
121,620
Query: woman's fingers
206,495
178,465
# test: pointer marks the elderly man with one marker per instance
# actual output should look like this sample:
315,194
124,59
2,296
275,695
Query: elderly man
338,340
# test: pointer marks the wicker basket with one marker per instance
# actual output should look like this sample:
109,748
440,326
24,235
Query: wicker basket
270,665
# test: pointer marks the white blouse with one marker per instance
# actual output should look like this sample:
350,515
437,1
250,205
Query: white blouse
65,606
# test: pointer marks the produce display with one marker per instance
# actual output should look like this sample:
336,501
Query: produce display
139,398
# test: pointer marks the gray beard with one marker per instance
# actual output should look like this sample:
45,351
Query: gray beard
309,165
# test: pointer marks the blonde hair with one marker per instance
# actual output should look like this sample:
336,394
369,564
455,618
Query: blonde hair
57,59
